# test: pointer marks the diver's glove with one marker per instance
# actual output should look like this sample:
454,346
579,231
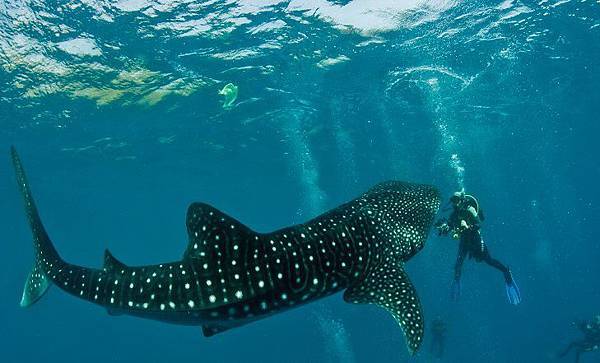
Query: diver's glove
512,290
455,289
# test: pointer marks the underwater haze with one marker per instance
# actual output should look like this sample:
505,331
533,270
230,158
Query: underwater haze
122,116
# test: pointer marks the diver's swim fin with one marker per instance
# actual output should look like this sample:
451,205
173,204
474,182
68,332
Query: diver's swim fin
512,291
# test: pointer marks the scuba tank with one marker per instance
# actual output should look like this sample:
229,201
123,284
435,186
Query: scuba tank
471,201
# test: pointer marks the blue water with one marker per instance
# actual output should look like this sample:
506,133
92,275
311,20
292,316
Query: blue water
114,107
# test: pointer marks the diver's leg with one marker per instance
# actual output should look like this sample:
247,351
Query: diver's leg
435,346
512,290
433,349
487,258
460,259
577,354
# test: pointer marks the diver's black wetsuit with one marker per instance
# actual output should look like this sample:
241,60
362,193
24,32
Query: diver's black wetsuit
590,341
471,244
438,335
465,224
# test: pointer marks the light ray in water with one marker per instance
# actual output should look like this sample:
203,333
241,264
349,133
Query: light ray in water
336,337
313,203
344,144
459,171
303,166
543,248
448,146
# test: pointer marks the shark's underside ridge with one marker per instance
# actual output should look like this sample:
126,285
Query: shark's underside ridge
231,275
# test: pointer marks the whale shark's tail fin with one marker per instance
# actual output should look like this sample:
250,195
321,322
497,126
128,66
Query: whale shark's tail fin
46,257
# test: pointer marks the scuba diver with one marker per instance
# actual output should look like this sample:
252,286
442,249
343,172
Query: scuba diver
590,341
464,224
438,335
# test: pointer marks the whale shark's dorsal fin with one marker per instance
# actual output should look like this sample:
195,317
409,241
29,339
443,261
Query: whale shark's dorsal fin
212,231
111,263
388,286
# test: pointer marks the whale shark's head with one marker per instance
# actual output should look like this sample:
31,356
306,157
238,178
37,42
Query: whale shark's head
399,216
402,215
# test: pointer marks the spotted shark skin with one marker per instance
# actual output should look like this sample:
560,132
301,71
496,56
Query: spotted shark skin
230,275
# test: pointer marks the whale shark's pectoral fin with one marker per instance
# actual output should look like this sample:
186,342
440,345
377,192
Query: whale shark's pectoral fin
111,263
388,286
208,330
114,312
212,329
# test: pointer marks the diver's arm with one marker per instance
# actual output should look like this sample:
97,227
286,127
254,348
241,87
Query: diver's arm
442,227
473,219
469,220
446,225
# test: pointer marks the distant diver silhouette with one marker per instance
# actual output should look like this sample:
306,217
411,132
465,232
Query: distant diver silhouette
590,341
438,338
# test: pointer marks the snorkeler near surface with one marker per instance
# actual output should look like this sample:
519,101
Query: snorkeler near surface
438,336
590,341
464,224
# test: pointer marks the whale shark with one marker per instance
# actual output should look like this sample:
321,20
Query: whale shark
230,275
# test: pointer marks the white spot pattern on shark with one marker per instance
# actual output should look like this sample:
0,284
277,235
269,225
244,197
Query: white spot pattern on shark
231,275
